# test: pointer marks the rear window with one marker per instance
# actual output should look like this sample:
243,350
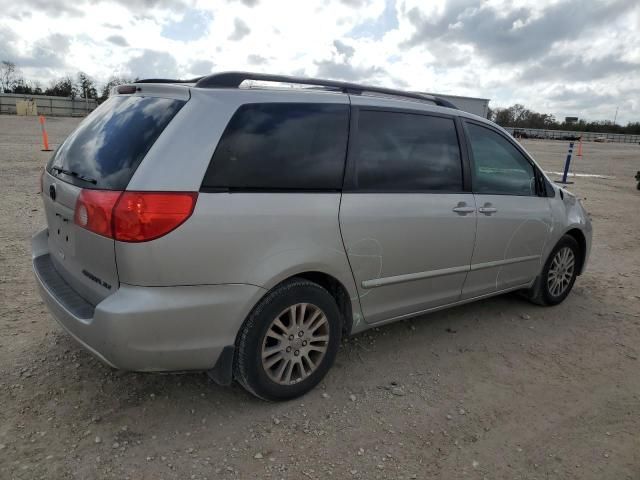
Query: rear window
281,146
405,152
107,147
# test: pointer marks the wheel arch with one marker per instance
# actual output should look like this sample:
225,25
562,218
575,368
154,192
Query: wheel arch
329,282
339,293
580,238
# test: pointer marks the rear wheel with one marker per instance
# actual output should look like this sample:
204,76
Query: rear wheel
289,341
559,273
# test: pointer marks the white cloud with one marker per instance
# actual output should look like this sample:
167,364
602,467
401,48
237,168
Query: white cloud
546,54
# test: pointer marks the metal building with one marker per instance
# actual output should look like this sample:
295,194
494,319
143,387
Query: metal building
477,106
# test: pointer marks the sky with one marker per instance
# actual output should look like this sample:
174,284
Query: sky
565,57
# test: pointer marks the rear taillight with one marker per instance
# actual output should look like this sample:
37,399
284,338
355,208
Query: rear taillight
133,216
94,211
143,216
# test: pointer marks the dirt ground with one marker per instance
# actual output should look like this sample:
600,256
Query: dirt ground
496,389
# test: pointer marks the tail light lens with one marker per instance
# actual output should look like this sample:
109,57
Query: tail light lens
133,216
94,211
143,216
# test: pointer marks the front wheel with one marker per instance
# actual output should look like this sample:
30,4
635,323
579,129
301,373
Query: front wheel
289,341
559,273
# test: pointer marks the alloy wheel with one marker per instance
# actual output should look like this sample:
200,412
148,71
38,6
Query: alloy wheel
295,343
561,271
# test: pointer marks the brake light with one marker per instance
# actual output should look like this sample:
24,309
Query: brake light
144,216
94,211
133,216
126,89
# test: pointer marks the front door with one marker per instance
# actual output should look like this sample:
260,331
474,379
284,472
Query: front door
408,225
514,216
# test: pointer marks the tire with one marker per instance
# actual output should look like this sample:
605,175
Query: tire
545,291
262,334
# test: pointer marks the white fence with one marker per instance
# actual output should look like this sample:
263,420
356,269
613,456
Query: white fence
53,106
574,135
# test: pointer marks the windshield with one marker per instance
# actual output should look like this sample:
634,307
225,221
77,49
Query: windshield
109,144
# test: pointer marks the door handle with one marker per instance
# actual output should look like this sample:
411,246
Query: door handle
463,209
487,210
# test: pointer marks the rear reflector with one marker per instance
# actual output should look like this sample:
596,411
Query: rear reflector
133,216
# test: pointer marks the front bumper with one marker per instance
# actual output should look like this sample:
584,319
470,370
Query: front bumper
148,328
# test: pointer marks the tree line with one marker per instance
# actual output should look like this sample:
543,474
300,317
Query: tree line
84,86
79,86
518,116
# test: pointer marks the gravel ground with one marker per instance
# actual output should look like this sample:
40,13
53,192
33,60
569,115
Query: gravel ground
495,389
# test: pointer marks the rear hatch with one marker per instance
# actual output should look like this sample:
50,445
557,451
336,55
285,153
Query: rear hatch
97,161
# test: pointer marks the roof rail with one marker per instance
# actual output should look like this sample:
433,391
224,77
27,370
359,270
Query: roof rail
167,80
234,79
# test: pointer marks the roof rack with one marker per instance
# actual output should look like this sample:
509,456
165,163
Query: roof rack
167,80
234,79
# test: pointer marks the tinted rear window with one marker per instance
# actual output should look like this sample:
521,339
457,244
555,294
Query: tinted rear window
404,152
110,143
281,146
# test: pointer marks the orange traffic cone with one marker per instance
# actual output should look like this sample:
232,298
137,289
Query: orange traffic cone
45,137
579,154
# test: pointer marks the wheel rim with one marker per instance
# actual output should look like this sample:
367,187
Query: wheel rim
561,271
295,343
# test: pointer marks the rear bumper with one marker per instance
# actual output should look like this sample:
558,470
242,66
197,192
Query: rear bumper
148,328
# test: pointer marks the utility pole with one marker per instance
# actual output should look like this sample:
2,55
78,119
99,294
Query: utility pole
615,116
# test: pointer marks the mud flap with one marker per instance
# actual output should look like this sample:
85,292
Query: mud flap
222,372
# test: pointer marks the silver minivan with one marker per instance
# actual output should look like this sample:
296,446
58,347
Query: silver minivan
241,223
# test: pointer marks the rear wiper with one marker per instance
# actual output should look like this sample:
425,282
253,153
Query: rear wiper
71,173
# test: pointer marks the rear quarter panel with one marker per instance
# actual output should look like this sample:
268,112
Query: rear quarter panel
246,238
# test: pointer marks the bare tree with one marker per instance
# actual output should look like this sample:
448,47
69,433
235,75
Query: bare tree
86,86
7,76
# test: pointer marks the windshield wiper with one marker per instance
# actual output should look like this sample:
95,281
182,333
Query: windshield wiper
71,173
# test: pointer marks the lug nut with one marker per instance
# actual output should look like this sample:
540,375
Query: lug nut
300,333
304,343
288,349
290,337
296,353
